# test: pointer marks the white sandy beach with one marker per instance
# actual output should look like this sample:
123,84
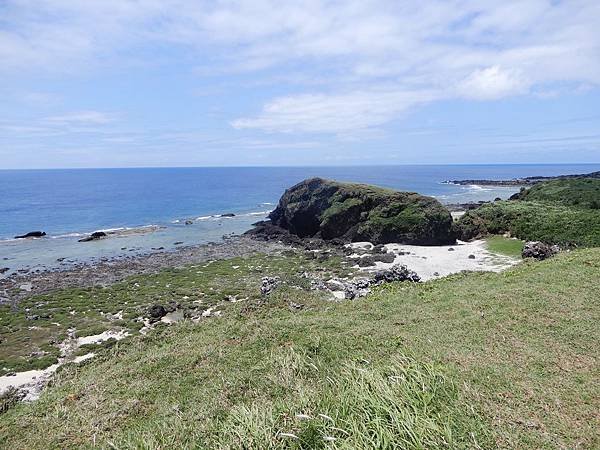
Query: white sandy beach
438,261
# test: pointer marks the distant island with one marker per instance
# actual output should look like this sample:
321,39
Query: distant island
526,181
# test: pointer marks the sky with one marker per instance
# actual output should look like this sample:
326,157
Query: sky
146,83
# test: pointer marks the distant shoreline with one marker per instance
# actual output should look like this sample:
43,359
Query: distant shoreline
525,181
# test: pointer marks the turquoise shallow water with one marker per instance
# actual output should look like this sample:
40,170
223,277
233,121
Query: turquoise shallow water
67,204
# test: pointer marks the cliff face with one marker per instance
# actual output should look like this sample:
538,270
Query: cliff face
356,212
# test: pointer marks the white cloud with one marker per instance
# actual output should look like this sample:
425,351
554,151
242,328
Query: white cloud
344,113
492,83
82,118
420,51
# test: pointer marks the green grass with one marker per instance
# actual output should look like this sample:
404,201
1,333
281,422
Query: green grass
32,344
577,192
476,360
505,246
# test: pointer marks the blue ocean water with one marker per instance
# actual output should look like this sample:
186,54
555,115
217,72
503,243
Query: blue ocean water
65,203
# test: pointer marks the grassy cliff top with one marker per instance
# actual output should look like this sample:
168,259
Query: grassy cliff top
477,360
578,192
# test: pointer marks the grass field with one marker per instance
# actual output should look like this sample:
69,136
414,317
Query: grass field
477,360
505,246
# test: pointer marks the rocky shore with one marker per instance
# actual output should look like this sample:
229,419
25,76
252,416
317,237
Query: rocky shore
110,271
526,181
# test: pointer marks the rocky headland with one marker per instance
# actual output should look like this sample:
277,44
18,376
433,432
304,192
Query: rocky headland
346,212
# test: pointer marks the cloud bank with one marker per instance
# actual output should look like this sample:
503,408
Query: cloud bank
353,65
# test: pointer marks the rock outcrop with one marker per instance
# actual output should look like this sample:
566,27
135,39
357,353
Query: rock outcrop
94,236
329,210
538,250
31,234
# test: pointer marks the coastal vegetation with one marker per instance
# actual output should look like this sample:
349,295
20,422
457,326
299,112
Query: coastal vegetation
474,360
577,192
357,212
562,212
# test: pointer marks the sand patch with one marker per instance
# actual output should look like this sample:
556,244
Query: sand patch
431,262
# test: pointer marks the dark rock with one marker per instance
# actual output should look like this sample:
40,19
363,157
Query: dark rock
4,270
268,285
450,249
365,261
370,260
471,256
328,210
189,222
538,250
156,312
396,273
497,199
96,235
228,215
178,243
32,234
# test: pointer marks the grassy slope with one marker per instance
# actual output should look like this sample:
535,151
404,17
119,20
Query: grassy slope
578,192
28,344
521,348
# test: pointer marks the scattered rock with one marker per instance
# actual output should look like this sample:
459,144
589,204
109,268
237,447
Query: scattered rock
157,312
396,273
539,250
269,284
296,306
31,234
335,285
96,235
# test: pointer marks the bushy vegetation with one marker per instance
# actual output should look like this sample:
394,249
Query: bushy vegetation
537,221
358,212
477,360
563,211
577,192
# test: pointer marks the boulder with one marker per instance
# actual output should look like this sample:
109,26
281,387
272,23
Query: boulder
538,250
318,208
32,234
157,312
4,270
396,273
94,236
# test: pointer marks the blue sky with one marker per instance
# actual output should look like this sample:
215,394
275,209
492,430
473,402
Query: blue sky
118,83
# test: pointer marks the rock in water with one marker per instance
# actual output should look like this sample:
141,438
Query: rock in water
357,212
538,250
32,234
94,236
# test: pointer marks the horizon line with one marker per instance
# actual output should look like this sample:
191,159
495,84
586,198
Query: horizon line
305,166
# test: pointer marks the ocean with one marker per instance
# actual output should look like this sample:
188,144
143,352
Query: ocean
69,204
